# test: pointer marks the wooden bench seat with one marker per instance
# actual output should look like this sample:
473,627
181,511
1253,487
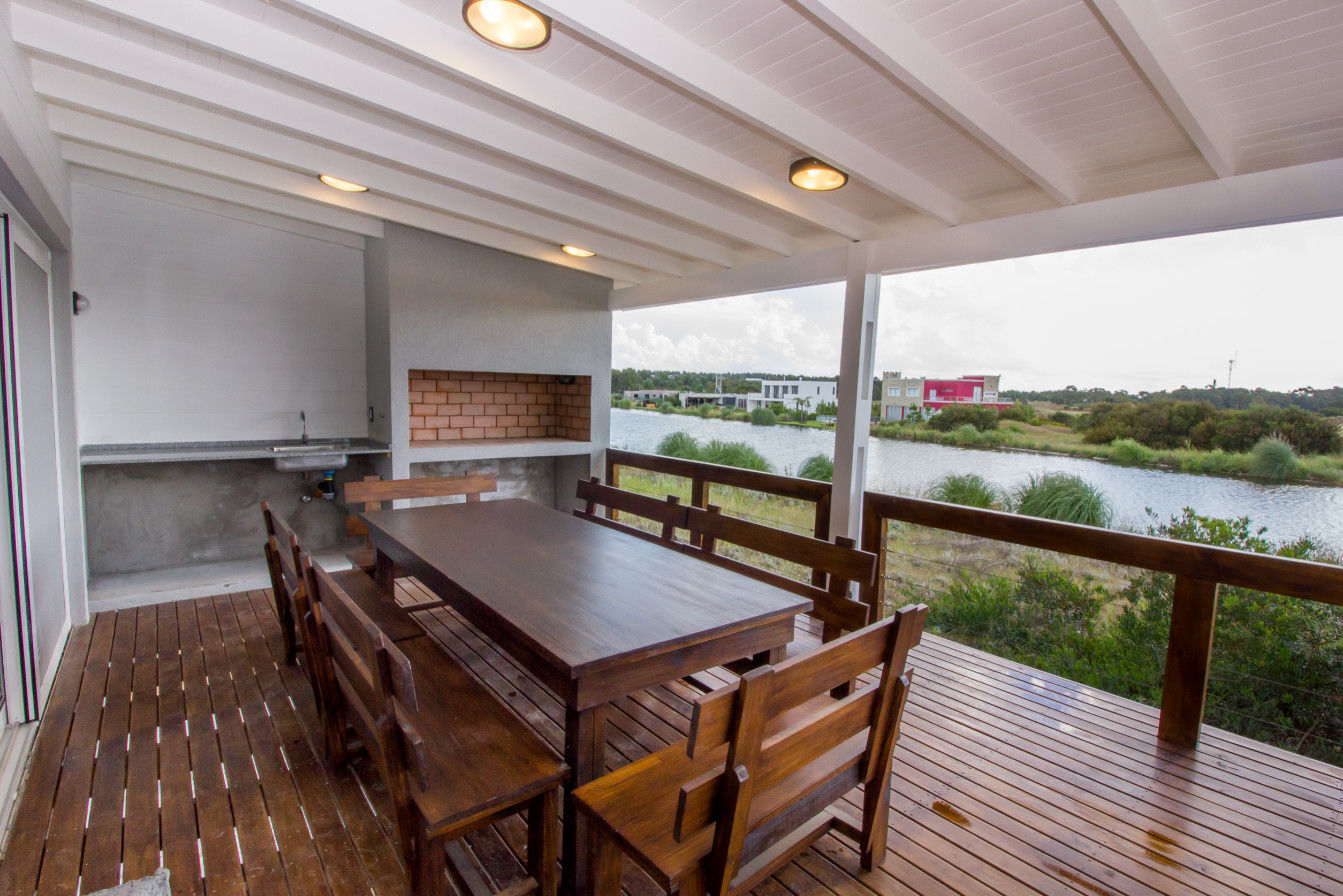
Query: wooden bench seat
373,490
756,781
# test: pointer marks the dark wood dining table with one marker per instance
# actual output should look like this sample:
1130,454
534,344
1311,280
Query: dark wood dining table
593,613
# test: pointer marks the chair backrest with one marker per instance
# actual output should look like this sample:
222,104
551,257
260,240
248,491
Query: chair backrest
286,553
839,563
351,646
399,686
668,514
373,490
792,768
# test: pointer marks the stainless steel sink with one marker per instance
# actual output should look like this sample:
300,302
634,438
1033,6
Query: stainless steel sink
325,455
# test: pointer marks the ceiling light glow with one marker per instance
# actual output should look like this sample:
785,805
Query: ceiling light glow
507,23
348,186
577,252
815,175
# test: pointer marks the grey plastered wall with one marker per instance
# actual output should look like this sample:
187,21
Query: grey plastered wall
163,515
459,306
532,478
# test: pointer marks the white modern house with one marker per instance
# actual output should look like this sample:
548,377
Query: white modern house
790,392
231,226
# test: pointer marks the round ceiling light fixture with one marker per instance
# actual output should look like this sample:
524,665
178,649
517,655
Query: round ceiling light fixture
507,23
815,175
338,183
577,252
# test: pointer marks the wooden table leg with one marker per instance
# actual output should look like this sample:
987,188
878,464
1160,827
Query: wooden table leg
384,573
585,752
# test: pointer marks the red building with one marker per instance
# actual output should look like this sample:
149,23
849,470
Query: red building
900,395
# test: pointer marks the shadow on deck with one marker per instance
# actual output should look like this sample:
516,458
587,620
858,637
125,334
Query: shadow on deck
175,736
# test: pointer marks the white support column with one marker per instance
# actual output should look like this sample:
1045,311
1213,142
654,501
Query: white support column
857,357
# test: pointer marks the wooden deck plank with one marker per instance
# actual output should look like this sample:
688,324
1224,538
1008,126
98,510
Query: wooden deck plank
1012,781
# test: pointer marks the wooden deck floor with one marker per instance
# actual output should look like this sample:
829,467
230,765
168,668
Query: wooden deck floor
174,736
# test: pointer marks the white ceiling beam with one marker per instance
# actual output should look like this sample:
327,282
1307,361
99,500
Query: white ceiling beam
141,110
144,156
40,187
450,46
247,39
1296,193
623,29
883,36
210,205
216,188
92,48
1144,36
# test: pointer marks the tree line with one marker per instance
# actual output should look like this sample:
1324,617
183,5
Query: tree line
1327,402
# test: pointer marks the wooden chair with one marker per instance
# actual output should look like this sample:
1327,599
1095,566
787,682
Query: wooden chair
836,564
668,514
373,490
283,584
453,757
757,780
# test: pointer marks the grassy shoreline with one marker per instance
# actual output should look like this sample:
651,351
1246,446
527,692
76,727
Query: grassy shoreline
1049,439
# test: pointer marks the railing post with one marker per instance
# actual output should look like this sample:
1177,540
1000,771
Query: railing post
874,542
821,530
699,497
1188,656
613,480
857,357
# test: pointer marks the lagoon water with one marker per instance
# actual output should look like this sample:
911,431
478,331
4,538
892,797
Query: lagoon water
908,468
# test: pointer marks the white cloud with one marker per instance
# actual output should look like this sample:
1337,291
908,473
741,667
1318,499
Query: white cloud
1141,316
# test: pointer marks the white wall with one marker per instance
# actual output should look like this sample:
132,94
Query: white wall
205,328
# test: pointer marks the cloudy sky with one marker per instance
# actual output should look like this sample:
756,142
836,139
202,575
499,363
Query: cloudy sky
1149,315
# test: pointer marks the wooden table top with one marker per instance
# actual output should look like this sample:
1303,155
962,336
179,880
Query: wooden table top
583,596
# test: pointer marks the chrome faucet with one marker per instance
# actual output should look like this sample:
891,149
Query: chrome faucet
303,418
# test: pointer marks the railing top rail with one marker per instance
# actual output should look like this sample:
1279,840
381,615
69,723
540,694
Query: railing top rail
1306,579
770,483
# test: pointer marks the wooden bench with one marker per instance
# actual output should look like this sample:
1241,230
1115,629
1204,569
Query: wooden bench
757,779
453,757
374,490
668,514
836,564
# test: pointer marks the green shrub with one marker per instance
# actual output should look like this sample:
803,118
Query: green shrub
969,489
1021,411
679,444
666,407
819,466
625,404
1307,433
703,410
1272,458
1062,417
966,434
735,454
763,417
981,418
1131,453
1063,497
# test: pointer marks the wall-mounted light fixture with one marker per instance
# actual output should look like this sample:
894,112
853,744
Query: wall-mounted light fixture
507,23
577,252
79,303
815,175
338,183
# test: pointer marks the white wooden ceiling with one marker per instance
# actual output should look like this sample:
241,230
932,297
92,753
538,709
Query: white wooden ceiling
658,133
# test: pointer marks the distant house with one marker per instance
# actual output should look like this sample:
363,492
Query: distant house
901,395
788,392
652,396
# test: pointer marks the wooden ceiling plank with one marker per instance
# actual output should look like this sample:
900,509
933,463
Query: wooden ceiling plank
145,162
878,33
1137,26
140,110
89,47
659,49
451,47
231,33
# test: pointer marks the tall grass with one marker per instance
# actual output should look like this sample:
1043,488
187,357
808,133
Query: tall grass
683,445
1063,497
763,417
679,444
1131,453
968,489
818,466
1273,458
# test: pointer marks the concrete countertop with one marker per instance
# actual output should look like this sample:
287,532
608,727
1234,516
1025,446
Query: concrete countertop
169,452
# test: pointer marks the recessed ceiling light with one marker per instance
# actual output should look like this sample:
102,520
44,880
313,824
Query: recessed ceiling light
348,186
507,23
813,174
577,252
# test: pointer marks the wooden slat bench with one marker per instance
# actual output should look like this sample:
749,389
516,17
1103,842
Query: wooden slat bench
372,491
454,758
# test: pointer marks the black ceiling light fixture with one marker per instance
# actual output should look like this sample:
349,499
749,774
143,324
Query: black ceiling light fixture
507,23
814,175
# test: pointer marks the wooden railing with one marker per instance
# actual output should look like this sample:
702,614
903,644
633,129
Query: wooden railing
1198,569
